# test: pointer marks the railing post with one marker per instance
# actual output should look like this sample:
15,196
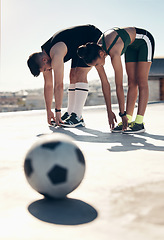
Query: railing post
161,88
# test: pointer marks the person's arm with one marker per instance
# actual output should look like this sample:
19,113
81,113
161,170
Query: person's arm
117,65
48,94
57,64
107,95
58,86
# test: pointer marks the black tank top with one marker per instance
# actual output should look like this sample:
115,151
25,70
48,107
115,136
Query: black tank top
73,37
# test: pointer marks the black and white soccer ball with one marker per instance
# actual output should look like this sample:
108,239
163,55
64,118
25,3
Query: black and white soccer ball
54,166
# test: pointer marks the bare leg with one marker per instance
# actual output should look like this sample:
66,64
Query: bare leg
79,74
131,68
142,79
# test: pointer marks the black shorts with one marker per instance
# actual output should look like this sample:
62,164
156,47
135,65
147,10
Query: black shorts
78,62
142,49
93,35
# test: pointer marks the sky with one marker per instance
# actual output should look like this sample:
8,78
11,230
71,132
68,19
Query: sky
27,24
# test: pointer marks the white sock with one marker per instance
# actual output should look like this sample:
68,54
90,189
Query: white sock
71,98
81,93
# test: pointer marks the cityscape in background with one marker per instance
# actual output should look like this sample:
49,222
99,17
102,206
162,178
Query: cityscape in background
25,100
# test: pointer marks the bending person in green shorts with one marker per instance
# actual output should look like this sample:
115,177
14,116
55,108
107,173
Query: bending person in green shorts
138,46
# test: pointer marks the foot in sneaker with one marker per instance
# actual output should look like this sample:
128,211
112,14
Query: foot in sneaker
135,128
118,128
73,121
64,117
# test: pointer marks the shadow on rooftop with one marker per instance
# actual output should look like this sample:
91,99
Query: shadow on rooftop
64,212
123,142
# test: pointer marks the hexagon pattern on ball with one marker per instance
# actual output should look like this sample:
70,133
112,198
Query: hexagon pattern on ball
54,166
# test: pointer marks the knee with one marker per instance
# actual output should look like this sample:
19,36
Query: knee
142,83
132,83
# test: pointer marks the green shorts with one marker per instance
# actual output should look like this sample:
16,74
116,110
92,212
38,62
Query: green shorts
142,49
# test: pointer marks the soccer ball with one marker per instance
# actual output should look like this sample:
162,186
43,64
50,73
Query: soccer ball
54,166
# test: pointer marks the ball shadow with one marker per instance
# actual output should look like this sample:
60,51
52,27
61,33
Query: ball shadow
64,212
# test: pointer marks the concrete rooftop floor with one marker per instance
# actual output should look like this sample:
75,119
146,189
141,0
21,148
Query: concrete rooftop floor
122,193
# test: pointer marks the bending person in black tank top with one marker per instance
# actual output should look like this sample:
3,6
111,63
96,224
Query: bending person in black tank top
59,49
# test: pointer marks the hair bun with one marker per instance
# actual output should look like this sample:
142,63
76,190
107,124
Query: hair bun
82,51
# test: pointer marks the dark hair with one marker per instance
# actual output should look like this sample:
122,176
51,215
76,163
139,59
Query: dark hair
89,52
33,64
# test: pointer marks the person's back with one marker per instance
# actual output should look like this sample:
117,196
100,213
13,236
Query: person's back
72,37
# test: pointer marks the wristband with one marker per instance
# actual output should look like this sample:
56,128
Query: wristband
122,114
57,110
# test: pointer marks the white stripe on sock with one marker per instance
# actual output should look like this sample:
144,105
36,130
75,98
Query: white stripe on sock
81,93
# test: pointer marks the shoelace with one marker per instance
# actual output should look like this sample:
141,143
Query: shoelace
132,124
